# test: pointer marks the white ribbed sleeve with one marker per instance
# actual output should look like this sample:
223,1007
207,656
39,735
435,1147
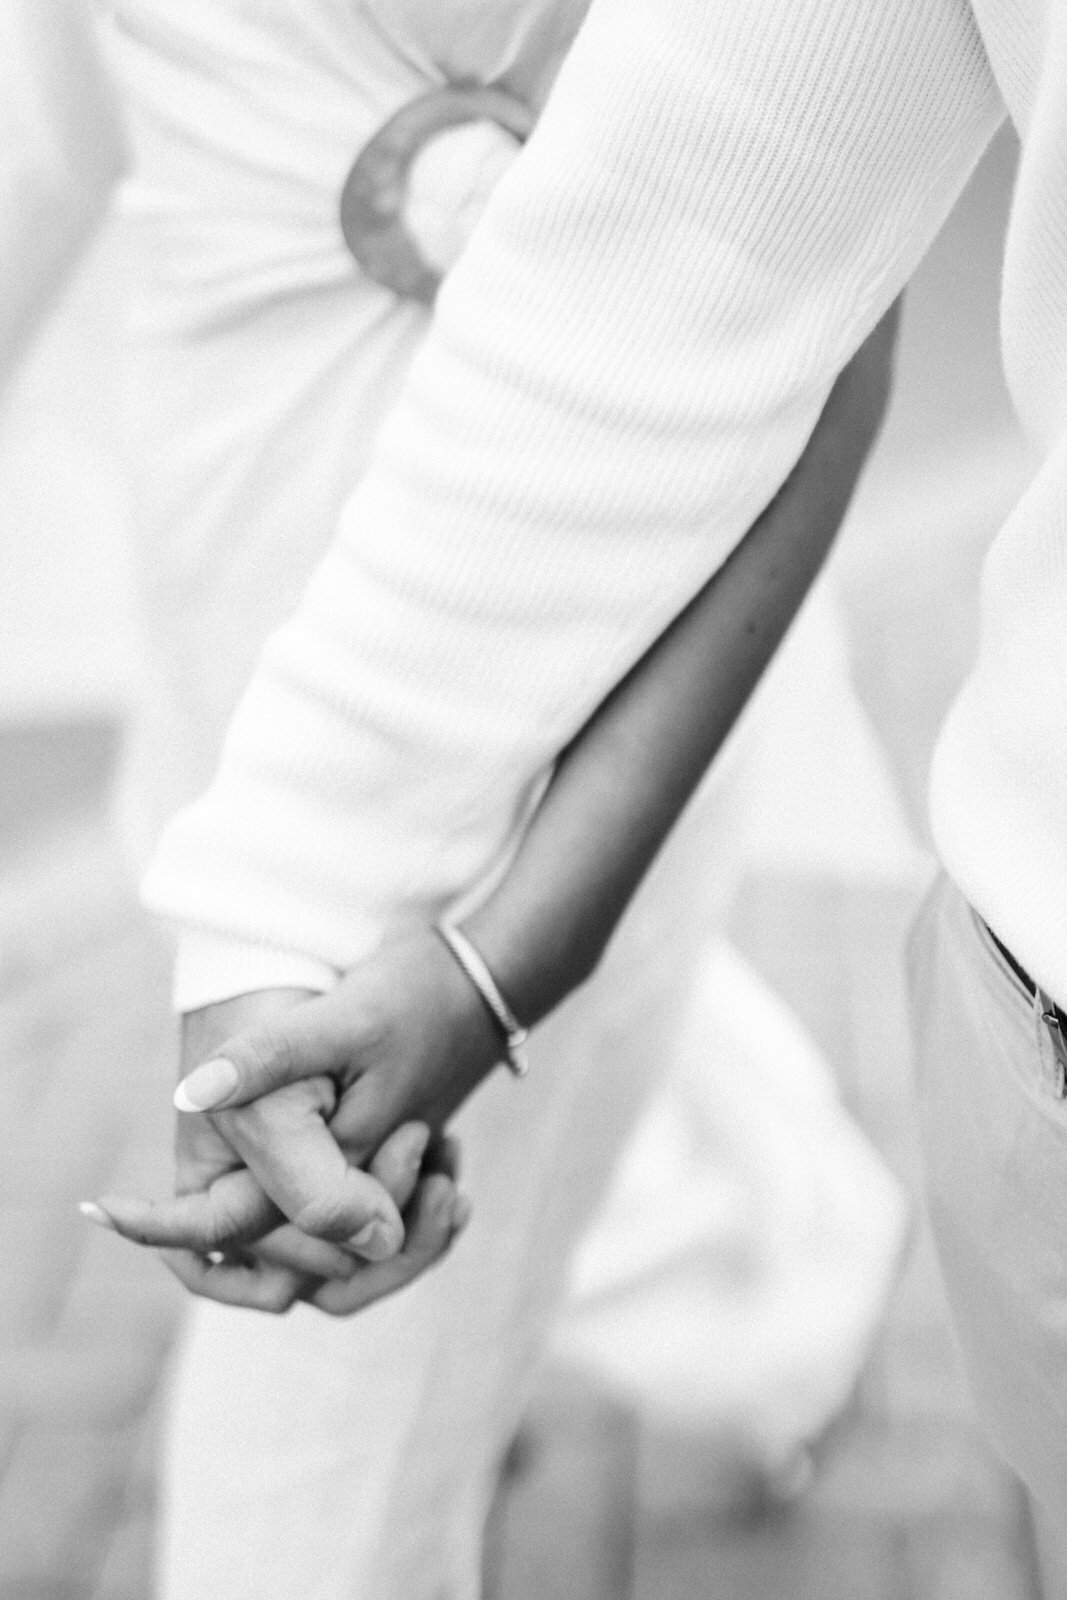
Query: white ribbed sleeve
721,199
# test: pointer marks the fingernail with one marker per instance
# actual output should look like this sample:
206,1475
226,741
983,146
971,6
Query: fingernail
97,1214
379,1240
207,1087
417,1148
462,1211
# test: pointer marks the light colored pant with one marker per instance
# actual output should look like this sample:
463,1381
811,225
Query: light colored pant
995,1133
83,1324
313,1459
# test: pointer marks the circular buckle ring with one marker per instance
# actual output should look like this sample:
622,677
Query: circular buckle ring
372,200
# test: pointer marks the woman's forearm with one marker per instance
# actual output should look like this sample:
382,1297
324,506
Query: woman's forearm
620,786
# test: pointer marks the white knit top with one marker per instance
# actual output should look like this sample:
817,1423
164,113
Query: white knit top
718,203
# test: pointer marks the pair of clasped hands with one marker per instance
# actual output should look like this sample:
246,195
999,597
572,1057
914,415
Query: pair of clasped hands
310,1159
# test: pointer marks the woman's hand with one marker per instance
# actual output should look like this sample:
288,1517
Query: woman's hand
365,1075
405,1035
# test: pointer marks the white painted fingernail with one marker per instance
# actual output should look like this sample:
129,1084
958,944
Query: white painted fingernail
379,1240
97,1214
207,1087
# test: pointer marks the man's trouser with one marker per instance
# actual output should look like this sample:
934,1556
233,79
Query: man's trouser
994,1124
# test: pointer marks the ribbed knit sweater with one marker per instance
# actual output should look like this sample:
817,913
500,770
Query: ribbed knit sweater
718,203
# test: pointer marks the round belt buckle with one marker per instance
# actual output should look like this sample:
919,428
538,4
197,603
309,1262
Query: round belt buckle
372,200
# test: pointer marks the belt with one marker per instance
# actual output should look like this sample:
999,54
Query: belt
1049,1020
1053,1013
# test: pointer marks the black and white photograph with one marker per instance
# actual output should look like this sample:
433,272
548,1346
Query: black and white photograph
533,800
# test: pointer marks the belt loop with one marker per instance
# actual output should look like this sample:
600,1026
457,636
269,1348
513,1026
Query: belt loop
1048,1022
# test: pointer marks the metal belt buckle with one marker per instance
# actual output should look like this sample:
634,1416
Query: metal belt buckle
372,200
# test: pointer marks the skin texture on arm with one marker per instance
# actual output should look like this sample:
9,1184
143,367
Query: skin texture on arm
619,789
405,1035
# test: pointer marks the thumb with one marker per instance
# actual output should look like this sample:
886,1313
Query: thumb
306,1041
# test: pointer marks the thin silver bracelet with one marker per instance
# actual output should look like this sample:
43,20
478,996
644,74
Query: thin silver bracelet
473,964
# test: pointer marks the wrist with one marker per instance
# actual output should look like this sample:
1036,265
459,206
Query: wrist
511,1033
460,1018
538,958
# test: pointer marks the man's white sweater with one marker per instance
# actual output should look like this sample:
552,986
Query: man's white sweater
719,202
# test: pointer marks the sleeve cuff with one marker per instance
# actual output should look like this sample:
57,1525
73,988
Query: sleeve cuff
210,968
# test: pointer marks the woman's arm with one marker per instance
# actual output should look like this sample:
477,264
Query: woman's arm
620,786
405,1035
716,206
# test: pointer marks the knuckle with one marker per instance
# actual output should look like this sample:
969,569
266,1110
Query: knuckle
317,1095
322,1216
266,1056
254,1122
276,1301
211,1236
217,1231
260,1121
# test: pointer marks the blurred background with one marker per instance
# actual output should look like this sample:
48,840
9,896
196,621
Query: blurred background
759,1396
